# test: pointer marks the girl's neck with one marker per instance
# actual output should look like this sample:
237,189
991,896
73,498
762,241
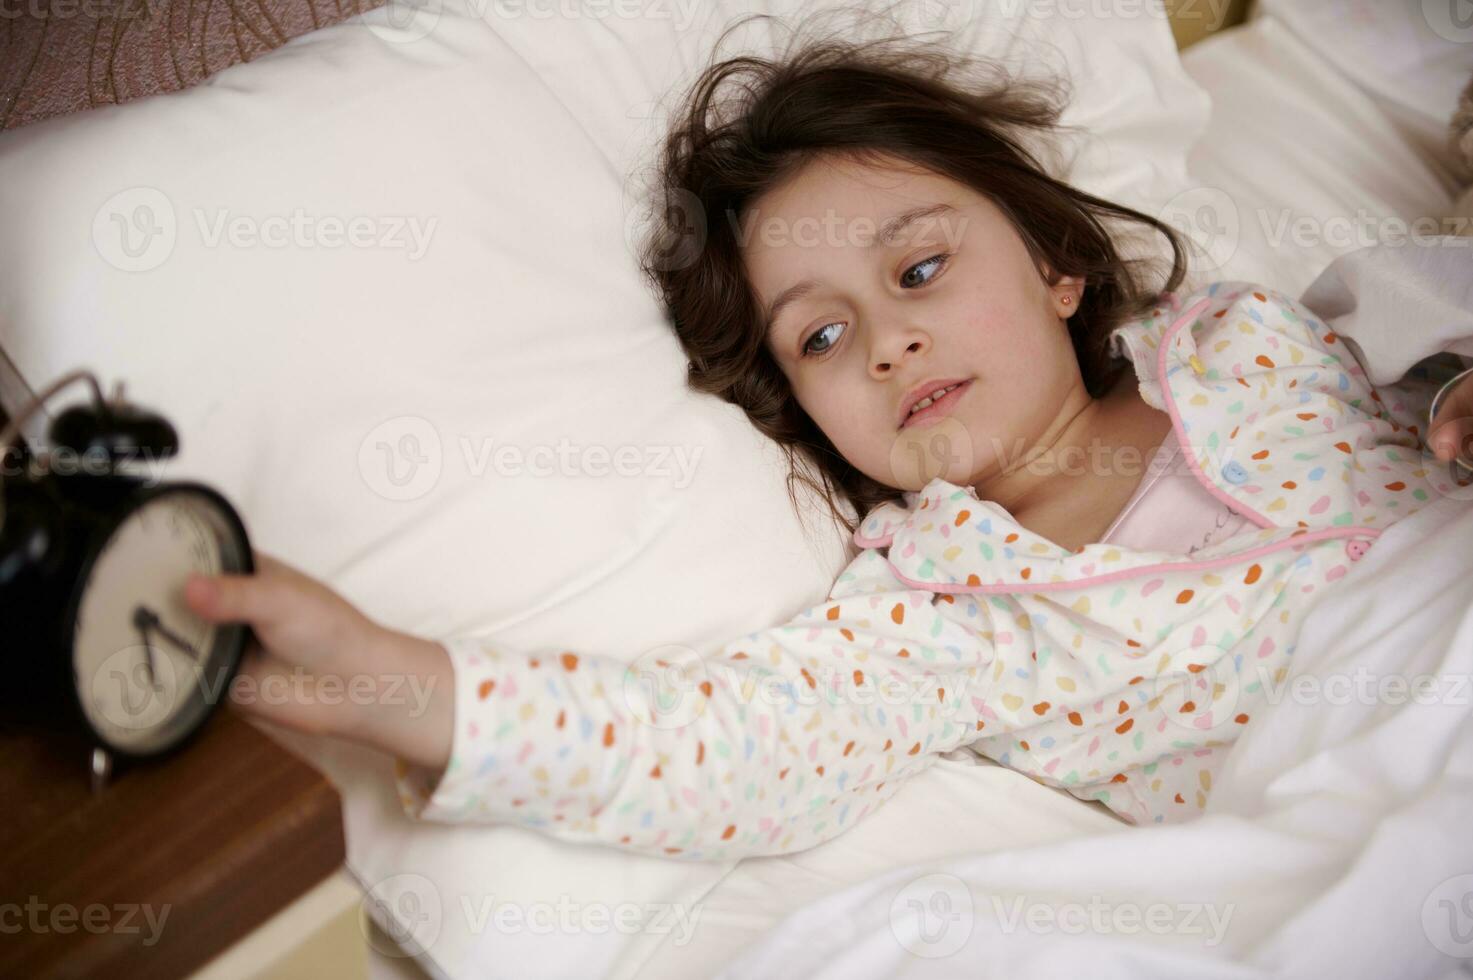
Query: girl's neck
1078,482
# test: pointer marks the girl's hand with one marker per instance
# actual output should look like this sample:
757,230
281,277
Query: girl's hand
319,666
1451,434
305,631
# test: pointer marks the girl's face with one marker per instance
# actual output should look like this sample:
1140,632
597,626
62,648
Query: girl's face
877,318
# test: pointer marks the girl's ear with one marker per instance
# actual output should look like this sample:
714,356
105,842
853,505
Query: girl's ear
1066,295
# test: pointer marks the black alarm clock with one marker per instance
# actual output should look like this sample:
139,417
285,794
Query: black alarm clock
93,562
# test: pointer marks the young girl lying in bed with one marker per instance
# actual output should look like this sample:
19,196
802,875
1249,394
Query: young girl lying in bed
890,284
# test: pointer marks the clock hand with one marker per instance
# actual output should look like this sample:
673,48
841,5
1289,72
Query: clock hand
157,625
141,622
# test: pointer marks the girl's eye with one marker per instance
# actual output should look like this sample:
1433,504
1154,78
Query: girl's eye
808,350
935,261
921,265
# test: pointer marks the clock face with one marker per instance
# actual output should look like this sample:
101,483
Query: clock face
147,670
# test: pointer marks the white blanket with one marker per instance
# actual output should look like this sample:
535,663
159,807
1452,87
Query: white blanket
1337,843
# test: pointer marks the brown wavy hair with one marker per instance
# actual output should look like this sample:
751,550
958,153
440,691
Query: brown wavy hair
749,123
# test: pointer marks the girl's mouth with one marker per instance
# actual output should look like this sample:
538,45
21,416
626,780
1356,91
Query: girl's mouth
939,408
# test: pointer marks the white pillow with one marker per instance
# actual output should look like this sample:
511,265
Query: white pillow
307,378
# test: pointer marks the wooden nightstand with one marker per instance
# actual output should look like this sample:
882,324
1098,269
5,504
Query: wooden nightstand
212,844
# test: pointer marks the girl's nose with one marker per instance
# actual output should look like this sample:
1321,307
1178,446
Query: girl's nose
888,352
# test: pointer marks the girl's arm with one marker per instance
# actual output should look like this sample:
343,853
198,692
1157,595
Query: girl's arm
780,740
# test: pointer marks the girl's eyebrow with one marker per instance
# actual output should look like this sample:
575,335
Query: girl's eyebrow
886,233
894,226
790,295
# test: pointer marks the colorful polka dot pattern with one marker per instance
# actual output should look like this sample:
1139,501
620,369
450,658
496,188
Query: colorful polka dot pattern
1118,675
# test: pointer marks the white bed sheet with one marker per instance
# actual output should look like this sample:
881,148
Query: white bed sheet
1289,136
1299,164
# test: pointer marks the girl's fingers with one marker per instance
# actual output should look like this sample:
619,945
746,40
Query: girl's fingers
1452,437
1452,429
229,598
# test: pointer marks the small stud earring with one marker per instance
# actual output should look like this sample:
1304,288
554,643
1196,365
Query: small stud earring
1067,300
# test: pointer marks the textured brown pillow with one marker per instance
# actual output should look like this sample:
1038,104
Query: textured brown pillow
60,56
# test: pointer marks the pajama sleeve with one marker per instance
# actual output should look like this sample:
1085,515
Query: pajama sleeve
775,742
